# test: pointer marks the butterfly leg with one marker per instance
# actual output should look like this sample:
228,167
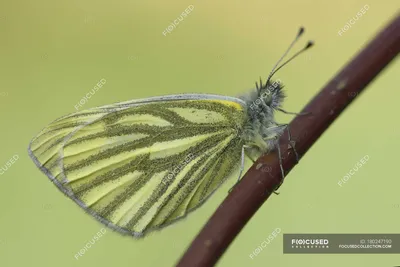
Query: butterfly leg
241,168
282,170
292,143
293,113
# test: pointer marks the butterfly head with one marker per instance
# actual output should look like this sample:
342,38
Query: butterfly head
265,98
271,93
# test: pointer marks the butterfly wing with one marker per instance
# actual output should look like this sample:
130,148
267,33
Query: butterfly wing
141,165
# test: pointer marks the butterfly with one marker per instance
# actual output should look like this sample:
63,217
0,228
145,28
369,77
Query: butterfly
140,165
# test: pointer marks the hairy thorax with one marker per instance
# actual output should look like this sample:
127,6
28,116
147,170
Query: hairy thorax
261,131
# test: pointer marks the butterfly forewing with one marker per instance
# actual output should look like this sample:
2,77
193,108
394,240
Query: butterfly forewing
142,165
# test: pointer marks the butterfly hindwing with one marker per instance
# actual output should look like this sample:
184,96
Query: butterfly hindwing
138,166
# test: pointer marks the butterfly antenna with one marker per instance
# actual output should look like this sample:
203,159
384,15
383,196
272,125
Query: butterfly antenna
300,32
308,45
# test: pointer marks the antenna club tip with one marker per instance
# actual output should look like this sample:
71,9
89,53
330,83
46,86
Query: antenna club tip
309,44
301,31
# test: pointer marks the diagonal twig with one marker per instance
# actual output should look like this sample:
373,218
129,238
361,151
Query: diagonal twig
265,175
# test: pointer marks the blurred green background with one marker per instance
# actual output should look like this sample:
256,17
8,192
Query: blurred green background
54,52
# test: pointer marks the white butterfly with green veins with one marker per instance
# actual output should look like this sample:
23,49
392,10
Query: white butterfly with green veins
141,165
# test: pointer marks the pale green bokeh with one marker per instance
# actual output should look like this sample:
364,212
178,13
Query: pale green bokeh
52,53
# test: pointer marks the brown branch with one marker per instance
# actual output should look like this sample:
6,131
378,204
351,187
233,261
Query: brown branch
264,176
